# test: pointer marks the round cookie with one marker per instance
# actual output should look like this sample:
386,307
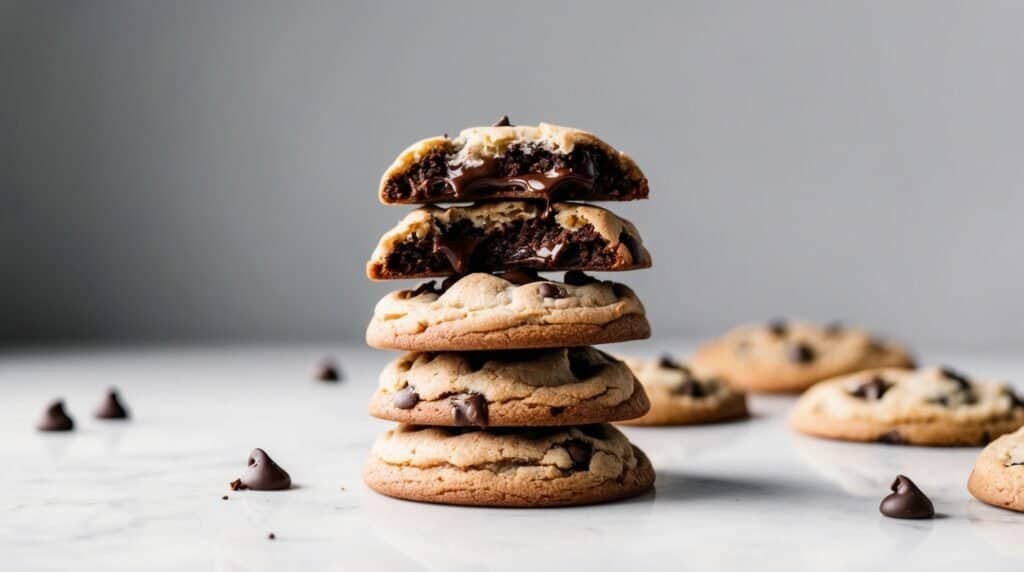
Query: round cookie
487,312
538,467
678,397
998,475
792,356
931,406
564,386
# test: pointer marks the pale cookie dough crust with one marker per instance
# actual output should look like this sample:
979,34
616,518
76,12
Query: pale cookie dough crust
508,468
755,358
998,475
665,384
420,172
486,312
910,411
432,241
562,386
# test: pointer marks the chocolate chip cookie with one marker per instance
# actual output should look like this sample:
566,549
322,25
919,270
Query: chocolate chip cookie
508,468
512,162
489,312
791,356
679,397
998,475
931,406
432,241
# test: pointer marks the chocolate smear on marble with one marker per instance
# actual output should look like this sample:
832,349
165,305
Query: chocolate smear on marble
55,418
906,501
262,474
111,407
469,409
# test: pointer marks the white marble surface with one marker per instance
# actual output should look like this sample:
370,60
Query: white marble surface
146,494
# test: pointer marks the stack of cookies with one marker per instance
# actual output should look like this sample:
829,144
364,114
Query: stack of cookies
501,399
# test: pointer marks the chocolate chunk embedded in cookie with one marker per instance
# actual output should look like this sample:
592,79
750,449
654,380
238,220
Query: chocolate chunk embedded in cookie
498,236
912,407
508,467
791,356
678,397
506,161
564,386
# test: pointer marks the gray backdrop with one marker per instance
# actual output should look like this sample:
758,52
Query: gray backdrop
207,171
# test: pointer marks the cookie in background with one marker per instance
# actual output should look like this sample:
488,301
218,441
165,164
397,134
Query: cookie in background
790,356
679,397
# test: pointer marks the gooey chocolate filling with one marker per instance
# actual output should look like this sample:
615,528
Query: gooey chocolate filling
538,243
524,171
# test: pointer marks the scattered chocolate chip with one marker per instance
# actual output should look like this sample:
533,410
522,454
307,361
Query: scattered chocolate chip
503,122
271,536
328,371
406,398
802,353
469,409
55,418
225,497
962,380
549,290
872,389
690,388
833,328
892,438
580,452
111,408
578,278
262,474
521,276
778,328
906,501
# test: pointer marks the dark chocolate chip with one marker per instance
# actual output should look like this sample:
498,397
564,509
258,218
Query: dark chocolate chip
262,474
985,438
580,364
833,328
521,276
225,497
620,290
111,408
271,536
873,389
503,122
328,371
450,281
802,353
691,388
778,327
668,362
55,418
1015,399
906,501
633,245
962,380
406,398
469,409
429,287
556,411
580,452
892,438
578,278
549,290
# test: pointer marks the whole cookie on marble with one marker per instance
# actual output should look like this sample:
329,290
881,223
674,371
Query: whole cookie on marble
432,241
532,467
515,310
783,356
998,475
523,388
679,397
929,406
512,162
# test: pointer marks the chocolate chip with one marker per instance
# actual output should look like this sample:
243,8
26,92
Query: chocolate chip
833,328
429,287
521,276
873,389
892,438
668,362
111,408
633,245
802,353
55,418
985,438
1015,399
620,290
580,452
778,328
906,501
271,536
556,411
690,388
328,371
578,278
469,409
580,364
962,380
450,281
406,398
549,290
262,474
503,122
225,497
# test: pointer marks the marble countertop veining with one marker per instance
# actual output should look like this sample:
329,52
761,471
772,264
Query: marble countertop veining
146,494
